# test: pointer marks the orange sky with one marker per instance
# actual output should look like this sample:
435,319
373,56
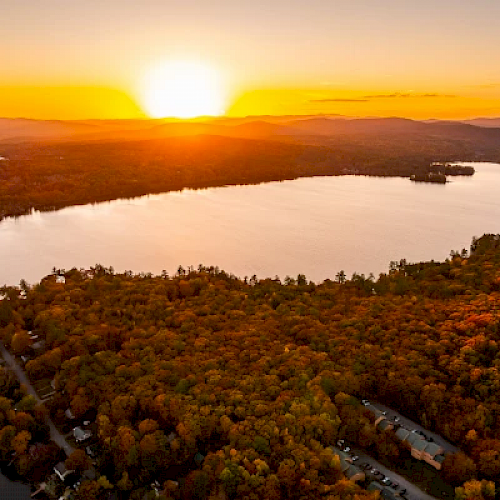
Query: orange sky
426,59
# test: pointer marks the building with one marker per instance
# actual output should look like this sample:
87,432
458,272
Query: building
60,279
385,492
350,471
385,425
80,434
61,471
421,449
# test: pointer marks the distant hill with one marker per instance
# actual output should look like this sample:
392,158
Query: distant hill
329,126
24,129
484,122
295,129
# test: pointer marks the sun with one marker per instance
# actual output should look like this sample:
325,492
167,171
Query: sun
183,89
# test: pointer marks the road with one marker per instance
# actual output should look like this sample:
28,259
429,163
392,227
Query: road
410,425
413,492
55,435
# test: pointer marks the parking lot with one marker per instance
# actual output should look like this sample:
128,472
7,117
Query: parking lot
406,423
375,471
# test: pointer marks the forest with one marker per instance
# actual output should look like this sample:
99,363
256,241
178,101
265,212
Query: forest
48,175
220,387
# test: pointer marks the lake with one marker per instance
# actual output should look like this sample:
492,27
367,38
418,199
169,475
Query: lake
313,226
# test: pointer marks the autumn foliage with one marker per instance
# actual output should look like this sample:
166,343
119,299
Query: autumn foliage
260,377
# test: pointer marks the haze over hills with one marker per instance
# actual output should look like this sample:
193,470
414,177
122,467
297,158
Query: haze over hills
284,128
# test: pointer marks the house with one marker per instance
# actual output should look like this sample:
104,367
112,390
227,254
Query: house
402,433
421,449
60,279
437,461
69,414
38,347
417,448
350,471
80,434
431,452
384,424
61,471
91,451
385,492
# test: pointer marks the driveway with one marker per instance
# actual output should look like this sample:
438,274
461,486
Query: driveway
413,492
410,425
55,435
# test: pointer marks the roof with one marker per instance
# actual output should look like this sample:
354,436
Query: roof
420,444
387,494
433,449
38,345
352,470
80,434
374,486
60,467
342,454
439,458
413,438
385,424
402,433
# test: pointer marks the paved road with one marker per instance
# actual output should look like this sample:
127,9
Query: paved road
410,425
413,492
21,376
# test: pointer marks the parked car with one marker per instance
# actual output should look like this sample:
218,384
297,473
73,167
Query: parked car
347,449
387,481
402,492
396,419
365,466
354,458
365,402
395,486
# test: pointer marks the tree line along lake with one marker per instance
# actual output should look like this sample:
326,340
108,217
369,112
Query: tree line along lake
315,226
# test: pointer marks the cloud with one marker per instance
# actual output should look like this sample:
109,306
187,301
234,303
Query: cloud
397,95
339,100
485,86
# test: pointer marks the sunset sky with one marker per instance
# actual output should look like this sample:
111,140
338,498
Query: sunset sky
91,58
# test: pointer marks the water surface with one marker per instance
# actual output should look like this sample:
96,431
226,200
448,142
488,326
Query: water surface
314,226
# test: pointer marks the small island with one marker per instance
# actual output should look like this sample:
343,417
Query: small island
429,177
438,172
